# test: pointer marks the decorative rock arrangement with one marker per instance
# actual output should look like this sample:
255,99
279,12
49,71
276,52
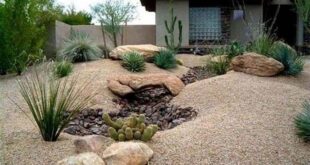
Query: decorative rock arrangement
147,51
196,74
152,102
128,84
122,153
255,64
92,143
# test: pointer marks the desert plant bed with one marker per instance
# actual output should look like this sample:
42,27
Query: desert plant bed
153,102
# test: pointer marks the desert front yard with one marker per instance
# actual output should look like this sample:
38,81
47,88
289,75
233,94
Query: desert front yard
242,119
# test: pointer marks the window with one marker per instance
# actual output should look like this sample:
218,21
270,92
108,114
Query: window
205,24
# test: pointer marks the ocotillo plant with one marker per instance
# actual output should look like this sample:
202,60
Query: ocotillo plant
169,39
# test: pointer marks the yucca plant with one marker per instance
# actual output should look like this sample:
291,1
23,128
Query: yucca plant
133,62
165,59
293,64
80,48
52,102
302,123
62,68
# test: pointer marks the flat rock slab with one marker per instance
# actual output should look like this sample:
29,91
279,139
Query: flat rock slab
147,51
256,64
128,84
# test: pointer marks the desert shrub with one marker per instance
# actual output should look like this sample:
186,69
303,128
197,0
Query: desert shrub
262,45
302,123
133,62
165,59
80,48
218,67
235,49
62,68
293,64
52,102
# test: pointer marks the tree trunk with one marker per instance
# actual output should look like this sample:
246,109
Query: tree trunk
106,52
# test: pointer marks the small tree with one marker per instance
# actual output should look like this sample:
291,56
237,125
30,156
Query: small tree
303,9
112,14
169,39
73,17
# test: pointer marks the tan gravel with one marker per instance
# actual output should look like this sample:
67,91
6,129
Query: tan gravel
242,119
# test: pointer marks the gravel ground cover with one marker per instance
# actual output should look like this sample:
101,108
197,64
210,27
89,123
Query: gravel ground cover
242,119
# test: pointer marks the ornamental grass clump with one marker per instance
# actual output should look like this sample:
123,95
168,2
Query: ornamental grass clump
80,48
53,102
165,59
219,67
262,45
302,123
133,62
293,64
62,68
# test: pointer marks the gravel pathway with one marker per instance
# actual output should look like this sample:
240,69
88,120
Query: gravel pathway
242,119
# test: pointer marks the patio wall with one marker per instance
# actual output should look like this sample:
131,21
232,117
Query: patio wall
133,35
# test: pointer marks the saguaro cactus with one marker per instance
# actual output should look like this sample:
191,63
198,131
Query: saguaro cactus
169,39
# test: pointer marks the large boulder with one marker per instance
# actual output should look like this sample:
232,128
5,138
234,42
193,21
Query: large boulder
92,143
255,64
87,158
147,51
127,153
127,84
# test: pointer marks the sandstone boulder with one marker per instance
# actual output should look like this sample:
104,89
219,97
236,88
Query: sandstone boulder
92,143
127,84
255,64
147,51
87,158
127,153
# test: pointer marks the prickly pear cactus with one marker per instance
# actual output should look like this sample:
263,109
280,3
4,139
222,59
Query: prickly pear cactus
132,128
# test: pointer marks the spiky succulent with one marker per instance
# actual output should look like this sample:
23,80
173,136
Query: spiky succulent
133,62
293,64
80,48
302,123
165,59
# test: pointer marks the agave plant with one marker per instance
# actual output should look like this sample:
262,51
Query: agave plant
293,64
302,123
80,48
133,62
52,102
165,59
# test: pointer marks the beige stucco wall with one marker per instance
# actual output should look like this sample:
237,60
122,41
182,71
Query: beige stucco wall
245,30
133,35
181,10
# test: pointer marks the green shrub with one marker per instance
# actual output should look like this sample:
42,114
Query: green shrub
165,59
133,62
52,102
293,64
262,45
80,48
302,123
219,67
72,17
235,49
62,68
